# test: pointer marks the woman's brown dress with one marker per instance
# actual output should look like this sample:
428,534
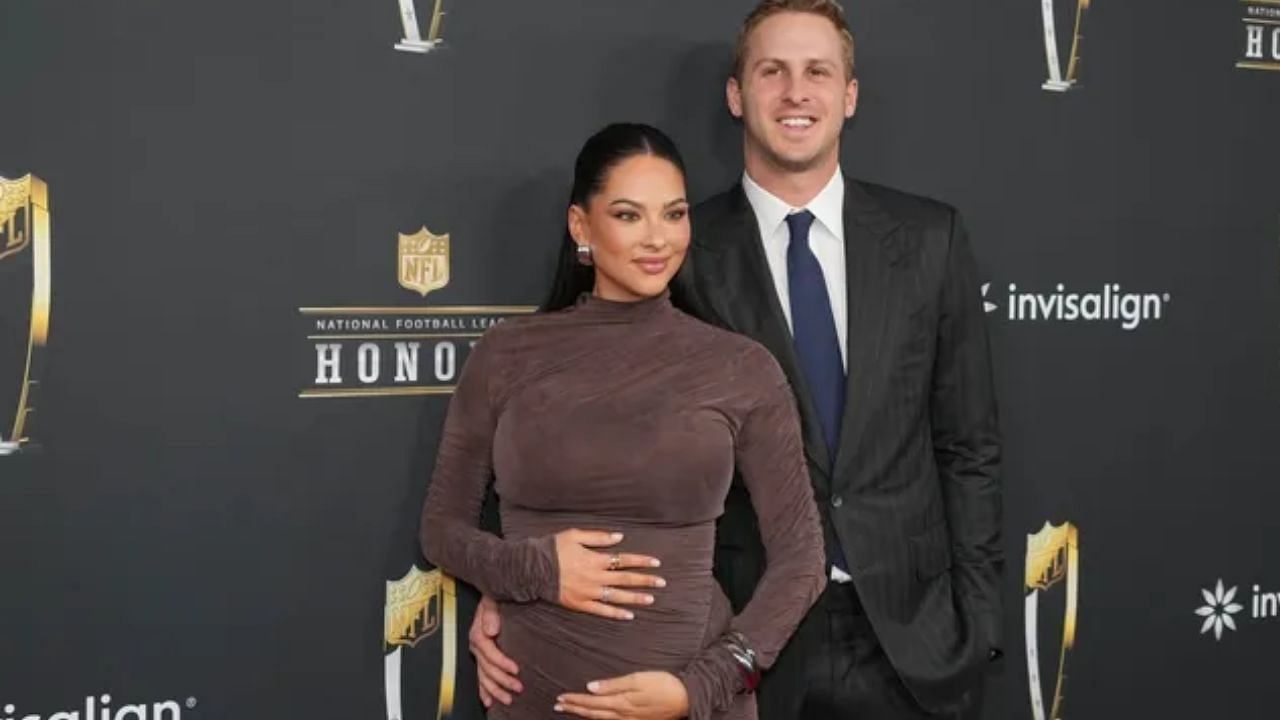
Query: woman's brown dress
627,417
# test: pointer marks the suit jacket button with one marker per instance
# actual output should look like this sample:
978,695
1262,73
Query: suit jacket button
837,501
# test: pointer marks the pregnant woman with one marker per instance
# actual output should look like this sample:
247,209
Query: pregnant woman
612,423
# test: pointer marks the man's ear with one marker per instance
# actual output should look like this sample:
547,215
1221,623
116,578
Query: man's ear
733,97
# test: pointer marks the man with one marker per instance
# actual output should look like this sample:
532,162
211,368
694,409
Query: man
870,301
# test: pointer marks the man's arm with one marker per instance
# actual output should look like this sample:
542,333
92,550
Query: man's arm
966,441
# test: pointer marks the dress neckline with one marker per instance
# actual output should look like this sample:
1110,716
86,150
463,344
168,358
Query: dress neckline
623,311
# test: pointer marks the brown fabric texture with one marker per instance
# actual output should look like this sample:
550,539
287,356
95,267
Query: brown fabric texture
627,417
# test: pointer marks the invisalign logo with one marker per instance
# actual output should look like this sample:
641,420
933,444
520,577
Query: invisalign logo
1110,304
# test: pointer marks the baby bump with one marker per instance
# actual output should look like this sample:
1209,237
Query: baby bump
561,650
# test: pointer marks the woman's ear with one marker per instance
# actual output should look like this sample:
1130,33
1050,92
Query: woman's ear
578,224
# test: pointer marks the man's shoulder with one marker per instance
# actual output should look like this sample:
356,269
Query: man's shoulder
718,205
903,206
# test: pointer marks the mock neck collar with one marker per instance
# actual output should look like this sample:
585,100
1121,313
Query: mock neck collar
589,305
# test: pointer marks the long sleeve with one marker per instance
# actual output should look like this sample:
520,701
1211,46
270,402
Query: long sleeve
770,456
966,441
451,538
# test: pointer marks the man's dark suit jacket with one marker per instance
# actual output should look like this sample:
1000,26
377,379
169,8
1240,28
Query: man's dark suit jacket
913,497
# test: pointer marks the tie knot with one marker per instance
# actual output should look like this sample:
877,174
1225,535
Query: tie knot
798,223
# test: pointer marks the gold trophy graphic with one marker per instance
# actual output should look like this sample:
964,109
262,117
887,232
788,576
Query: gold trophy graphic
418,605
1058,81
25,293
412,41
1053,555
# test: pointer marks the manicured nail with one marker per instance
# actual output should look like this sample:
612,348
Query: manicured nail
629,615
593,686
660,582
558,708
655,562
616,536
648,599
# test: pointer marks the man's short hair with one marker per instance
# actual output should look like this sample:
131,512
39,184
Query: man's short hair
829,9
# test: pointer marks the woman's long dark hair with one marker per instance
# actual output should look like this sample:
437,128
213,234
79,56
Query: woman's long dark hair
601,153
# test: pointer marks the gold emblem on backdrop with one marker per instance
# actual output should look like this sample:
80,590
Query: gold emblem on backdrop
1053,561
424,261
399,351
420,605
26,264
1060,81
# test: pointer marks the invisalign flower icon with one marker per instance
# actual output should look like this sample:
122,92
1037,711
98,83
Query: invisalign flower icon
1218,609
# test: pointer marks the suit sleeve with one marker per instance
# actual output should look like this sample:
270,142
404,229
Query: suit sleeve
966,441
770,456
450,532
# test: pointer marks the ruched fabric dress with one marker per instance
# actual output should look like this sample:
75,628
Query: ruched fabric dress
626,417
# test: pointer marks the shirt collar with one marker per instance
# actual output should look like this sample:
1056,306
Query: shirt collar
827,207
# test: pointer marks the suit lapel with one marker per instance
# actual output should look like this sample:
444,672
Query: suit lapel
871,252
743,286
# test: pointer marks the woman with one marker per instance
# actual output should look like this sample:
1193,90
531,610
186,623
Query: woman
613,422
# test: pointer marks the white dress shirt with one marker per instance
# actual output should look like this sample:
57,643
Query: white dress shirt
826,239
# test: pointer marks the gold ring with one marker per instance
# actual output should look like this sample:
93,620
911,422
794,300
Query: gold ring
615,561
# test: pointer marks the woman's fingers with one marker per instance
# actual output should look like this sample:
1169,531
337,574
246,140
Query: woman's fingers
628,560
595,607
633,579
625,597
597,707
595,538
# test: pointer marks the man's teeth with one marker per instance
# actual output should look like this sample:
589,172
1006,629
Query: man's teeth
797,122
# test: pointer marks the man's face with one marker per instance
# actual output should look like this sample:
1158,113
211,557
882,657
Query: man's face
793,97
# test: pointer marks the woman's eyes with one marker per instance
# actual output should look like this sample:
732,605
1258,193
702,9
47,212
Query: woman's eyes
629,216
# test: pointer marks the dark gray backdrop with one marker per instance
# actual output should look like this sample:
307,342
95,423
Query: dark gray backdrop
190,529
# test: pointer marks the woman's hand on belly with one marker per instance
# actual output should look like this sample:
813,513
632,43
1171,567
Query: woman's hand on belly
591,581
638,696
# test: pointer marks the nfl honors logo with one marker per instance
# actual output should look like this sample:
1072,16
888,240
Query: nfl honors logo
405,350
1053,561
25,294
424,261
1261,35
413,41
420,605
1062,80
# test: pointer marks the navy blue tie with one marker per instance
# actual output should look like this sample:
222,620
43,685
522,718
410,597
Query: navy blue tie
813,329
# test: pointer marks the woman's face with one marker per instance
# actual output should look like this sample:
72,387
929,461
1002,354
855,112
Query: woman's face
637,227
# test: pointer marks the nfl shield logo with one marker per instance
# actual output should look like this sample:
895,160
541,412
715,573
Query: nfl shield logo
424,261
420,605
25,292
1053,562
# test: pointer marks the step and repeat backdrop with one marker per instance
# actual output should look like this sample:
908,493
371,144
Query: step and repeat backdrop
246,246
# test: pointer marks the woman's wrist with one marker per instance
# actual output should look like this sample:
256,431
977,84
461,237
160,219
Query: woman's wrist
736,643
